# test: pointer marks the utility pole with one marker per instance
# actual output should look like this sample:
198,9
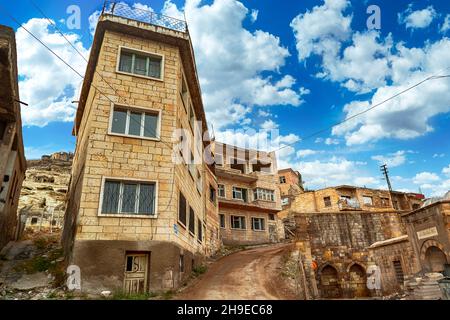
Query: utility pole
385,172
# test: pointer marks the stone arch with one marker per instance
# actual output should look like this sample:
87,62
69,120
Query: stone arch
433,257
357,280
329,285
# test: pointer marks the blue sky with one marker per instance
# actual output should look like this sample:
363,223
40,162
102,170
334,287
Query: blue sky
297,67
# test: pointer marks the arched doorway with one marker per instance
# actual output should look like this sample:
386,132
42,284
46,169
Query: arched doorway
329,283
358,281
435,259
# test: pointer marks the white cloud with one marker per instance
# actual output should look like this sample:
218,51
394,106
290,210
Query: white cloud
254,15
393,159
417,19
269,125
406,116
231,61
331,141
438,155
306,152
425,177
446,170
446,25
366,181
48,85
321,29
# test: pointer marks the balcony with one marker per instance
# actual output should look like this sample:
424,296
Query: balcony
121,9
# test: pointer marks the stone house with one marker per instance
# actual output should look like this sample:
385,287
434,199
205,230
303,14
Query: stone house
291,184
12,155
139,216
336,226
248,194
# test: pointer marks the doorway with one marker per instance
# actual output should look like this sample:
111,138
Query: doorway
136,273
329,283
435,259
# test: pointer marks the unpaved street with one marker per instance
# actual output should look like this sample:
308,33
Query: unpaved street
249,274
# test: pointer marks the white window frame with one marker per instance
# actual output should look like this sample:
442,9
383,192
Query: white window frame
224,191
121,215
264,194
139,52
231,222
253,224
130,109
241,191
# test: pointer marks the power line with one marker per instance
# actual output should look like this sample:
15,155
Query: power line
433,77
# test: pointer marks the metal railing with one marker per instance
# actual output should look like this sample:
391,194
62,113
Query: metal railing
122,9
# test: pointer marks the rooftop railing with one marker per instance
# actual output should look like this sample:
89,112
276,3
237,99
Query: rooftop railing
122,9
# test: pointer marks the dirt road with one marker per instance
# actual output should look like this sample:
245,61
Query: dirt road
249,274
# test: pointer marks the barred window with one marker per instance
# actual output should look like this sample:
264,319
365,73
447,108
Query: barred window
123,197
140,64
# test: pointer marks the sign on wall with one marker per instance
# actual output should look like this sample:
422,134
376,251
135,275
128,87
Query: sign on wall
426,233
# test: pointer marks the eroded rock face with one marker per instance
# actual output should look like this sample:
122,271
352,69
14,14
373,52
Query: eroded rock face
44,190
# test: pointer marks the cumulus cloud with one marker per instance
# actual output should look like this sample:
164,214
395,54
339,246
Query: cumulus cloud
331,141
446,170
269,125
446,24
306,152
418,19
425,177
393,159
321,29
232,60
46,84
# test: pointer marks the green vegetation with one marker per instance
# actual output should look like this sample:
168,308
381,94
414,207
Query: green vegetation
198,270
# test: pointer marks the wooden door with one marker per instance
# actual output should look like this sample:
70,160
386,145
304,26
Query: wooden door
136,272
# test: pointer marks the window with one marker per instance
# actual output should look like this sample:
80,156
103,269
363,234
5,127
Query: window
199,230
367,200
240,194
147,65
258,224
282,179
238,166
135,123
398,271
237,222
396,207
327,201
34,220
182,209
271,216
191,166
218,159
284,201
191,221
264,194
128,197
222,220
212,194
415,206
221,190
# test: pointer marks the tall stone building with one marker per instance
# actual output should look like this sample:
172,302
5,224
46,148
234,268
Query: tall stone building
12,156
249,195
291,184
140,216
337,227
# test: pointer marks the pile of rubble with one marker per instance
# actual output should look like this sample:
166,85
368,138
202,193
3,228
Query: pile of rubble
424,288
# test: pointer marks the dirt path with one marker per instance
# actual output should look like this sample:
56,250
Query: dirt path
249,274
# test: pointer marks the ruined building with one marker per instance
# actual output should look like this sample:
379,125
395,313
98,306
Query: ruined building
248,194
336,226
137,219
291,184
12,156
